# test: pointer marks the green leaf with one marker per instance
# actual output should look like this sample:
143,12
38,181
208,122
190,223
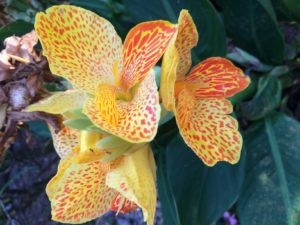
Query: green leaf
202,193
266,99
169,207
208,22
17,27
271,189
247,60
289,8
252,26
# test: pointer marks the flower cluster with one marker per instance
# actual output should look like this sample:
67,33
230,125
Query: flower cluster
106,159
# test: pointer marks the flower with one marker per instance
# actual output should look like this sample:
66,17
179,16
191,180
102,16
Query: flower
198,99
84,48
85,187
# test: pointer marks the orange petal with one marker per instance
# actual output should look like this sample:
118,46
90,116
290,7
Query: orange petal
134,179
137,119
65,140
143,47
207,129
79,45
78,192
186,39
214,77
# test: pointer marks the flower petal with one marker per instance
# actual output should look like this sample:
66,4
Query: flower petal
79,45
214,77
134,178
78,192
207,129
65,140
105,100
177,58
186,39
137,119
143,47
59,103
88,151
168,78
123,205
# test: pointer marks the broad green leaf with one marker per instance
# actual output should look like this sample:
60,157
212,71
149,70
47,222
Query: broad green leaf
252,26
209,24
201,193
279,71
247,60
18,28
289,8
169,207
266,99
271,191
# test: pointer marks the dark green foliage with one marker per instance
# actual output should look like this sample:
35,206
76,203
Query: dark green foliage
18,28
202,193
266,99
253,27
272,183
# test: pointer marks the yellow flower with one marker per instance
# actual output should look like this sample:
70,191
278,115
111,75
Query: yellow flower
85,49
85,187
115,86
198,99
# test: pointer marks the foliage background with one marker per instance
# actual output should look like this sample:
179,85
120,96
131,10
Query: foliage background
262,37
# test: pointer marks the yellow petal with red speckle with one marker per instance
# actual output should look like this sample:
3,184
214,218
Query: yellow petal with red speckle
59,103
207,129
137,119
168,78
214,77
123,205
79,45
65,140
105,101
143,47
177,58
134,178
78,192
187,38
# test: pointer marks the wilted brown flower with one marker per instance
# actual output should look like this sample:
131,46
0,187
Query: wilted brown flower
22,73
